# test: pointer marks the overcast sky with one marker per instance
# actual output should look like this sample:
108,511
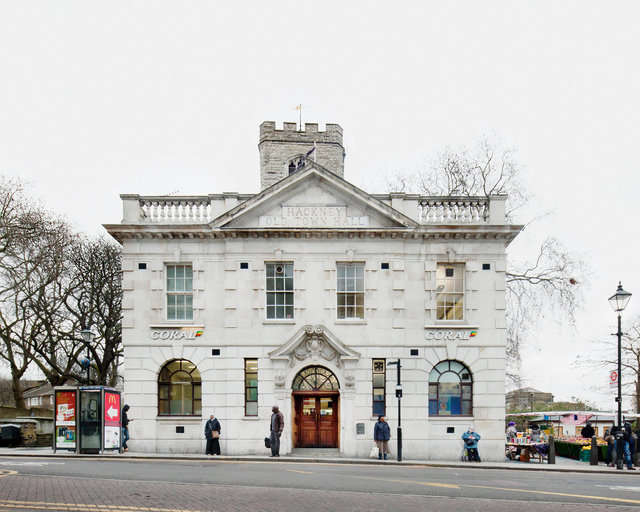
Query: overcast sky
156,97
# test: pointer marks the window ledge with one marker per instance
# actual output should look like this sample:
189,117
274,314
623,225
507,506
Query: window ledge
460,324
251,418
176,325
355,321
284,321
450,418
182,419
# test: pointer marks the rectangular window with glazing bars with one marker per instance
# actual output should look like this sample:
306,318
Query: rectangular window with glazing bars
350,288
179,292
279,288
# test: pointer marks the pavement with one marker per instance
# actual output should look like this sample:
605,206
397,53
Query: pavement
562,464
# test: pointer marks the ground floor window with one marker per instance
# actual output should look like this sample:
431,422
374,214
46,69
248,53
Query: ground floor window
379,378
450,390
315,378
250,387
179,389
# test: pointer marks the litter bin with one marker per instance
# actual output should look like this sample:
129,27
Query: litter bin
10,434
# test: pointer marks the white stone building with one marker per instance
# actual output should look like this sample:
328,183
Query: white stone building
302,295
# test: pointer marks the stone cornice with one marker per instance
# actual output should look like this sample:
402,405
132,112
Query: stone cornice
123,232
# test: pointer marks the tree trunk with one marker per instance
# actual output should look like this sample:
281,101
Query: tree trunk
18,396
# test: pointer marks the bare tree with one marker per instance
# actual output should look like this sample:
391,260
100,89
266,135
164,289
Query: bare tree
551,281
600,356
22,223
86,292
96,299
53,283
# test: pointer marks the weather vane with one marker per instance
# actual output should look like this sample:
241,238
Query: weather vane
299,108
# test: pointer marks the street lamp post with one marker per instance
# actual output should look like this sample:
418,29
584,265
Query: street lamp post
618,302
87,336
399,397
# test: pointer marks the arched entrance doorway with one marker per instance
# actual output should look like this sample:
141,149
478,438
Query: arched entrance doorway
316,397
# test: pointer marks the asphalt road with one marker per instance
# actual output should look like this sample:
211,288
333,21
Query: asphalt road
159,485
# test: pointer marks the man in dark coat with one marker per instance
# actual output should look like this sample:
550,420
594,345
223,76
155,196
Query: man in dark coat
212,434
624,446
125,427
277,426
381,435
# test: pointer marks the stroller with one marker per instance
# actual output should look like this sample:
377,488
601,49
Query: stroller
464,457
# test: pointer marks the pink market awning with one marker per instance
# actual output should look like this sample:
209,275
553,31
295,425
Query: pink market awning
575,419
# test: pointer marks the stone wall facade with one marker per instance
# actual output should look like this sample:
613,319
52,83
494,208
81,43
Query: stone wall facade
400,242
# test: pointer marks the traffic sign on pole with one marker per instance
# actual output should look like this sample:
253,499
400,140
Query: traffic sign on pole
613,379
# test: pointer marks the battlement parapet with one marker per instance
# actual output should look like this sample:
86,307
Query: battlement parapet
290,133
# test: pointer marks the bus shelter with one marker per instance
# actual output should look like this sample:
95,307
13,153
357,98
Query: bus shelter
87,419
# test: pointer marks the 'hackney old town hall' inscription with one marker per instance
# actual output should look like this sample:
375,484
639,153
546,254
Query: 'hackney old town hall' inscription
313,217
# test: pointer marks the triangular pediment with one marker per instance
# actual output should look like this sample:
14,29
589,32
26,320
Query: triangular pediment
313,198
314,343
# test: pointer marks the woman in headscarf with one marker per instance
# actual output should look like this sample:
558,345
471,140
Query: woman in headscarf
471,438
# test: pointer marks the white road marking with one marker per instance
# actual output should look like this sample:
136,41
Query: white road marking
620,487
30,463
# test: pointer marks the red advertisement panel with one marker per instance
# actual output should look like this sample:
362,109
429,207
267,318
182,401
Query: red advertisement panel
111,408
65,430
65,407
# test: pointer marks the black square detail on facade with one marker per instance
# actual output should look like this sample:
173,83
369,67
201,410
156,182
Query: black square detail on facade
244,265
486,266
448,272
142,266
414,351
384,266
360,429
215,352
451,430
179,430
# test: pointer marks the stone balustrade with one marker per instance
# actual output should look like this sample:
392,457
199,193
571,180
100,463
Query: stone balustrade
426,210
192,210
443,210
168,210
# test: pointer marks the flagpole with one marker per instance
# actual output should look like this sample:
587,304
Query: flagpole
300,117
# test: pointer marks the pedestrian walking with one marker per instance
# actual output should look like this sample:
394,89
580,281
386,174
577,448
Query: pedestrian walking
277,426
381,435
624,446
212,434
125,427
610,439
471,438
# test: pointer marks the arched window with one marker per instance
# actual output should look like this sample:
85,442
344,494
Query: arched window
179,389
315,378
450,390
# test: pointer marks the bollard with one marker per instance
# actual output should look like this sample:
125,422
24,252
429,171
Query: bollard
552,450
594,451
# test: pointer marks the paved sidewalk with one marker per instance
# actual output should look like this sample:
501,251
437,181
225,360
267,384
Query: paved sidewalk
562,464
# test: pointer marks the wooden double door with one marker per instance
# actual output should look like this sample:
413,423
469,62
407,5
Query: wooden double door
317,420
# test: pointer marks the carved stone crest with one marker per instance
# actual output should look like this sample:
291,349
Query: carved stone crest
349,380
279,379
314,347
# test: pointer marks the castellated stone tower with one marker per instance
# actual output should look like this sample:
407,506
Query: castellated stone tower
281,150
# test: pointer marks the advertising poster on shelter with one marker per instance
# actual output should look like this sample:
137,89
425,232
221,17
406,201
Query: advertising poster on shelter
111,421
66,419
